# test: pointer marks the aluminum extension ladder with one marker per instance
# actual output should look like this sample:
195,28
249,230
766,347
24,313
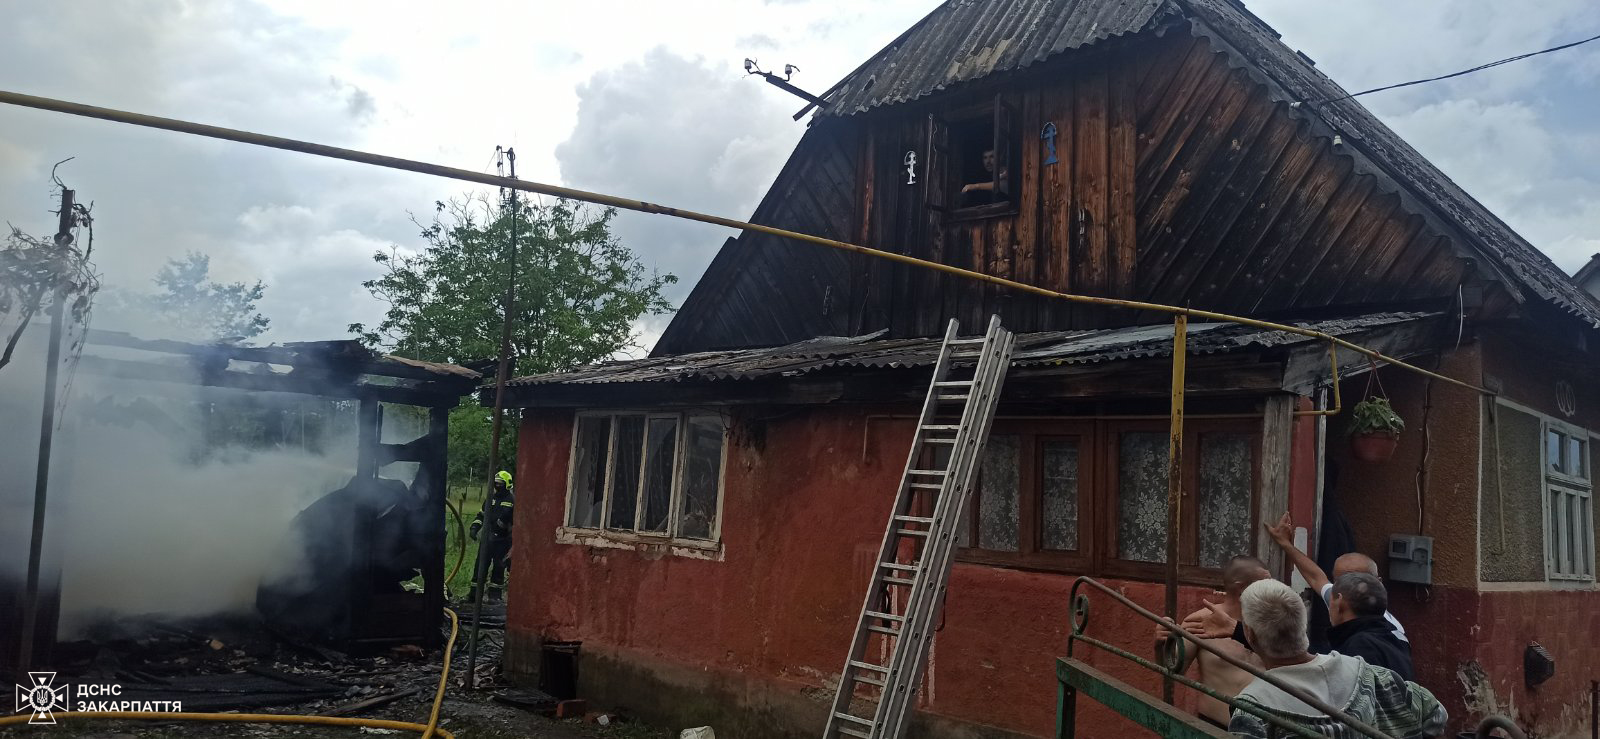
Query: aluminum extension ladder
895,628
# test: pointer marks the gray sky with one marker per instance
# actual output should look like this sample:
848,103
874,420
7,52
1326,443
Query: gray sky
642,99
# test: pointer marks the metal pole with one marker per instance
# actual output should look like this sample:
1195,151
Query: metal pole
379,160
489,512
1180,345
47,430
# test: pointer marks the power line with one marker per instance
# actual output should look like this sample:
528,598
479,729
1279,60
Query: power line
1478,68
410,165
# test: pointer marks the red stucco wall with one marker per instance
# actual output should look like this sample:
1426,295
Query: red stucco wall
803,514
762,632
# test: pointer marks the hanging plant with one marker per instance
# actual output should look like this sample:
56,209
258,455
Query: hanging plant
1374,430
1374,426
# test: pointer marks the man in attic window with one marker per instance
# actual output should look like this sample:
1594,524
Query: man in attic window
985,192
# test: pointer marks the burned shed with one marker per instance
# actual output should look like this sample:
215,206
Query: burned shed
372,513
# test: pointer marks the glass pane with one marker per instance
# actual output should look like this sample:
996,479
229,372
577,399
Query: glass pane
1575,458
1226,473
660,452
625,460
1553,543
1587,527
997,504
1060,481
1575,528
1142,497
588,471
1552,449
702,476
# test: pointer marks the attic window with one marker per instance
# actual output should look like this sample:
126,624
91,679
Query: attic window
981,159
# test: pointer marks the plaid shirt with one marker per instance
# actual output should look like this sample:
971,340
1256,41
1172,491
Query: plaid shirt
1383,700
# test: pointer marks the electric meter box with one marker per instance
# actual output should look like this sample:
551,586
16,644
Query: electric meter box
1411,559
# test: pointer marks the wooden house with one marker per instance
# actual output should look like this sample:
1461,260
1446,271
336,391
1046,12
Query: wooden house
703,521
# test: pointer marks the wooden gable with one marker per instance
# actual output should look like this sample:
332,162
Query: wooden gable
1179,179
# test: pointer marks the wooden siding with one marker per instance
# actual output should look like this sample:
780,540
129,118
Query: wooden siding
1179,181
762,290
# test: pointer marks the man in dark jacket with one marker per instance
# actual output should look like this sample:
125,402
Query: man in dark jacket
1360,629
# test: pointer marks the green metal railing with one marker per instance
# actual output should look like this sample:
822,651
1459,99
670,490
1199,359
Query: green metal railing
1075,676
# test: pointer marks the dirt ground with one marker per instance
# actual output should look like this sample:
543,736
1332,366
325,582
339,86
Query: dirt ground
191,663
468,716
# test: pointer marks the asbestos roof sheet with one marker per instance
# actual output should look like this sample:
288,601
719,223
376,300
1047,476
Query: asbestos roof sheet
964,40
871,352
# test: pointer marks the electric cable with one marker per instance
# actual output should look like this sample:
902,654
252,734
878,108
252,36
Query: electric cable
1463,72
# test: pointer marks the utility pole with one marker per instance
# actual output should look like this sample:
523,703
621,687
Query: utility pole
47,427
489,512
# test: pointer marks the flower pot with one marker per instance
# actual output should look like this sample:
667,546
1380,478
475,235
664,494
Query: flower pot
1374,446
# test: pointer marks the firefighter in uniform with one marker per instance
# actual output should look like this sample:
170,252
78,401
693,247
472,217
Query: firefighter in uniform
498,511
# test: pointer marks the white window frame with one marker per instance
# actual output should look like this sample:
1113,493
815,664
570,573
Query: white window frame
1559,489
629,538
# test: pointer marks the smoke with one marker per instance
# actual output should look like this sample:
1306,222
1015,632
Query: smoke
151,511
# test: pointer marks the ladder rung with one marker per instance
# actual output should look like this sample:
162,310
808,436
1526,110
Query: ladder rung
930,473
941,427
869,666
913,519
966,342
912,532
953,383
855,719
888,616
940,440
869,681
897,566
927,486
961,396
847,731
899,581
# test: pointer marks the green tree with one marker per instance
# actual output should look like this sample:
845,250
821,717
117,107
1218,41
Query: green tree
579,294
192,303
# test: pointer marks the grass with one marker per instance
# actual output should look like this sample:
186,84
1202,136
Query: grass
468,500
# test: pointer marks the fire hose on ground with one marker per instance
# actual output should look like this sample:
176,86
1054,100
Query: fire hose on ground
428,730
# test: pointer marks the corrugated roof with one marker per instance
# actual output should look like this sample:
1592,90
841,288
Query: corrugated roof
964,40
870,352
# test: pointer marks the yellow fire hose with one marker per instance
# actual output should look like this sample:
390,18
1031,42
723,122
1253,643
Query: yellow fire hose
461,543
428,730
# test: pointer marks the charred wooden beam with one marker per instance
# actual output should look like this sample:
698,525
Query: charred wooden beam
445,395
346,359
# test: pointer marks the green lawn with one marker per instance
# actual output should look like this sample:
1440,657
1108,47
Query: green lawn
468,500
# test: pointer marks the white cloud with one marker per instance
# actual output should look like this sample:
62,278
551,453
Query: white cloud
647,100
1519,137
441,83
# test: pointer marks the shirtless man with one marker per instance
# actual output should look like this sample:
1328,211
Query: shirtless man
1211,670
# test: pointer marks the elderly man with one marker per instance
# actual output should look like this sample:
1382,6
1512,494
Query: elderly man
1211,670
1357,610
1275,626
1283,535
